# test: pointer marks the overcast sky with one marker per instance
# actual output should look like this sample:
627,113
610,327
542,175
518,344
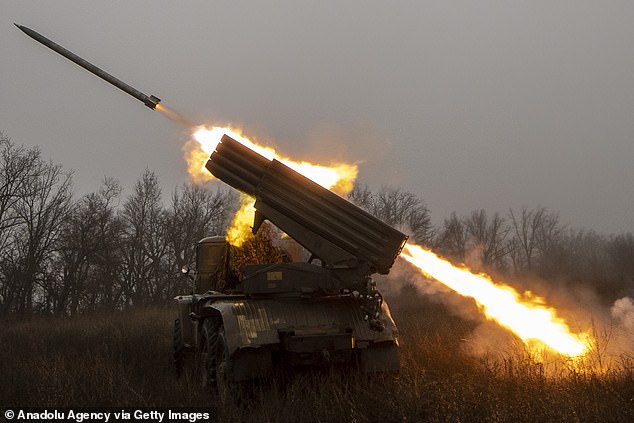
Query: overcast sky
469,104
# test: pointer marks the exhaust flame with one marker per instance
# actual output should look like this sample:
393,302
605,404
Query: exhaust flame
240,229
174,116
337,177
526,316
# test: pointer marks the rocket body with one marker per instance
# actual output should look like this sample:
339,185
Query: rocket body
150,101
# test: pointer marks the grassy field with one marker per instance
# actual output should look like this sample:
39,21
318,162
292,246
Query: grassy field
124,359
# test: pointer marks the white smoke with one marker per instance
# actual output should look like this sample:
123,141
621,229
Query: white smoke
623,312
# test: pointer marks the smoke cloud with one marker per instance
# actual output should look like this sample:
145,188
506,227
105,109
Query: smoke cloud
623,312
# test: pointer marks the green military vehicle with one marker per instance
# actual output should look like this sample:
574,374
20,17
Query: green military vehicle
325,310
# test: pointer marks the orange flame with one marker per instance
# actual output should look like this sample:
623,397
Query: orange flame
338,177
240,229
527,317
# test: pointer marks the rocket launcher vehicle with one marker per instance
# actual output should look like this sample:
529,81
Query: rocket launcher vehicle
345,238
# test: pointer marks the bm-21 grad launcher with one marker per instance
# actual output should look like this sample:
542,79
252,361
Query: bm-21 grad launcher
325,310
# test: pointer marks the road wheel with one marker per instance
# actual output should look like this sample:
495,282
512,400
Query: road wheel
224,382
209,337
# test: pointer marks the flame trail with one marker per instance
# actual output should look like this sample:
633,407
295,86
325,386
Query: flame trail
527,317
338,177
174,116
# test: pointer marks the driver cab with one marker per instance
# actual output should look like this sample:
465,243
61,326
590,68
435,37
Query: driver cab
211,261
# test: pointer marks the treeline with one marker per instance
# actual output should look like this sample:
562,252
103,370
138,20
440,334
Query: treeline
525,243
62,255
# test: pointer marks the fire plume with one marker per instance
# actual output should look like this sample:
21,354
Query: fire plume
240,228
338,177
526,316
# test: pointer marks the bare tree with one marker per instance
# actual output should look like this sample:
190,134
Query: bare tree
107,260
41,209
16,164
195,212
452,239
89,256
585,258
621,251
361,196
488,237
535,233
144,244
398,208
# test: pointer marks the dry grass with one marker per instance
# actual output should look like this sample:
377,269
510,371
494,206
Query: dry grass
123,359
102,360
